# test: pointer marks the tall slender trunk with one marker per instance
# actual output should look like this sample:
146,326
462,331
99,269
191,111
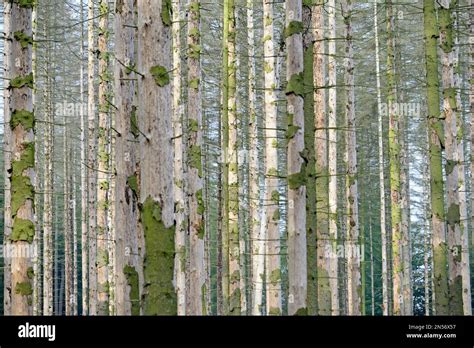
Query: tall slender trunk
194,167
257,227
91,163
383,231
332,155
48,246
127,294
84,180
67,221
297,271
436,143
445,16
353,246
272,195
325,281
181,206
156,156
20,162
394,154
103,155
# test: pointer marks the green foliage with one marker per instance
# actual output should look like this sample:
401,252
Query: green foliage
294,27
159,296
131,275
161,75
23,39
22,81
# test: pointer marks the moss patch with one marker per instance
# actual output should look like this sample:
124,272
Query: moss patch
23,289
23,39
294,27
22,81
296,85
132,182
131,275
161,75
23,117
166,12
195,159
159,296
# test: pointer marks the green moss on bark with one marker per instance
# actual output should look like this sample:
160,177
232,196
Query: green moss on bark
131,275
294,27
22,81
161,75
23,39
159,296
24,289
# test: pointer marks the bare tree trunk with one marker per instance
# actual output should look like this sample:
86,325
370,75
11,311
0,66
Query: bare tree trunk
296,171
156,156
91,163
257,232
84,179
194,167
383,231
48,246
332,155
353,247
181,206
272,196
67,222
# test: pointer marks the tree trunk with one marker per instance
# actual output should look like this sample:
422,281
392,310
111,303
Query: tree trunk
297,271
156,156
103,183
383,231
332,156
272,195
436,142
257,227
84,187
194,167
394,153
48,246
91,163
20,138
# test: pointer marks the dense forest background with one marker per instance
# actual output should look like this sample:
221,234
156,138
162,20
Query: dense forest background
226,157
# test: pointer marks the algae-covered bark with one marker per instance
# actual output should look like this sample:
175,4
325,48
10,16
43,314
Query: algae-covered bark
436,143
20,163
394,154
156,160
